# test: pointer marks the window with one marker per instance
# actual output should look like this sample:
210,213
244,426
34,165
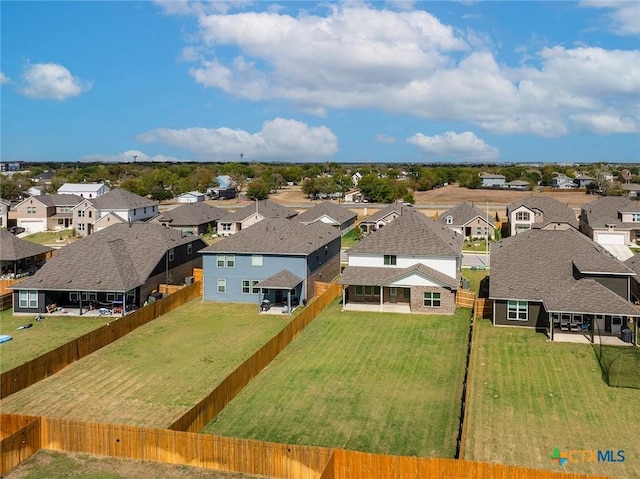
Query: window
80,213
80,226
90,213
28,298
111,296
367,290
390,259
131,295
376,290
522,216
635,217
189,248
359,290
73,297
171,254
220,261
255,290
226,226
66,209
145,210
522,228
449,220
222,286
231,261
256,260
431,300
60,221
393,291
88,296
246,286
517,310
31,210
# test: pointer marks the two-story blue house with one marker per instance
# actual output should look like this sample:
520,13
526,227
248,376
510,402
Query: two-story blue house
276,260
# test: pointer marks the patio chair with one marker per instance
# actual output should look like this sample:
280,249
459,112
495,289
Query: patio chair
564,326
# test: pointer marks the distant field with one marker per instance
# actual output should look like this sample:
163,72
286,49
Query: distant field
43,336
156,373
376,382
529,396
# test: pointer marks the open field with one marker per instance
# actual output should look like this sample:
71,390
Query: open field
382,382
529,396
54,465
157,372
43,336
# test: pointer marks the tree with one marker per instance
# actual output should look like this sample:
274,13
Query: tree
241,181
258,190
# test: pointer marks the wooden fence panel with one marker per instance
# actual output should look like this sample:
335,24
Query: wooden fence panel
21,444
465,299
57,359
198,416
483,308
5,284
6,301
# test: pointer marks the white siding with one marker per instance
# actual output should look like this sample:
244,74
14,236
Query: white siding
445,265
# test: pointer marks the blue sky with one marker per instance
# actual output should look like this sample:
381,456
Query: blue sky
329,81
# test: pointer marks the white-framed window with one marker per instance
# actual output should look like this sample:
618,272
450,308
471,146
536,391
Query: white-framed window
523,216
66,209
131,295
431,300
73,297
256,260
220,261
518,310
189,248
111,297
80,213
222,286
226,226
88,296
80,226
231,260
255,290
359,290
367,290
390,259
635,217
171,254
376,290
28,298
31,210
522,228
449,220
246,286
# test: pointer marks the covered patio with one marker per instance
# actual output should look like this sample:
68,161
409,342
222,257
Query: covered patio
280,293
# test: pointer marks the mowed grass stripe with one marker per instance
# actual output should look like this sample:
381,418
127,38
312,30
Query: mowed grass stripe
376,382
156,373
529,396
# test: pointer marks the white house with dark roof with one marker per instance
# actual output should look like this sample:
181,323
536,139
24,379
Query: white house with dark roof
411,265
84,190
118,266
115,207
4,213
492,180
468,220
538,211
191,197
559,281
255,212
330,213
611,220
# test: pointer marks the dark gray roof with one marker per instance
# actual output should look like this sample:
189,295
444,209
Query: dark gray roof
634,264
284,279
118,258
412,233
552,210
538,265
396,207
58,200
378,276
604,211
277,236
462,213
337,213
265,208
191,214
492,176
119,199
572,299
13,248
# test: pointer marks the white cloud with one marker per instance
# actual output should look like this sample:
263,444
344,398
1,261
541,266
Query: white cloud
382,138
464,146
51,81
128,157
4,79
623,16
279,139
408,62
605,123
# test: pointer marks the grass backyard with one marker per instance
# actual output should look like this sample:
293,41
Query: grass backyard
382,382
529,396
156,373
52,237
43,336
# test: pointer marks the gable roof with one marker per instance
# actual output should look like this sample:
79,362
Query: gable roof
552,210
191,193
118,258
119,199
80,187
13,248
634,264
379,276
463,213
284,279
604,211
277,236
55,200
337,213
265,208
191,214
492,176
412,233
395,207
538,265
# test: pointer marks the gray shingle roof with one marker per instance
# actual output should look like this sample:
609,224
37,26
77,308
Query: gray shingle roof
572,299
378,276
59,200
604,211
13,248
412,233
634,264
118,258
284,279
266,208
552,210
538,265
337,213
396,207
277,236
191,214
462,213
119,199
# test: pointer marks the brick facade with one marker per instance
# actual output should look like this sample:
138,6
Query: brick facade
447,300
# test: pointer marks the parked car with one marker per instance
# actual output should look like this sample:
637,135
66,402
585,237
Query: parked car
16,230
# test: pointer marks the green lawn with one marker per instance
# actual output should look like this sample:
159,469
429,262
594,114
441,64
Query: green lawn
349,240
43,336
475,277
156,373
51,237
529,396
377,382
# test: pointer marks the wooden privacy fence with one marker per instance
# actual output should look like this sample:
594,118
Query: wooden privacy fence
6,301
198,277
5,284
465,299
198,416
286,461
483,308
57,359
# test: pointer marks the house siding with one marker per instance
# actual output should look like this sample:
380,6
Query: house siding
537,316
445,265
617,284
325,273
447,300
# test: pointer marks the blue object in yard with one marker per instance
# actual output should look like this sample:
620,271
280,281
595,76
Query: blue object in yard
4,338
